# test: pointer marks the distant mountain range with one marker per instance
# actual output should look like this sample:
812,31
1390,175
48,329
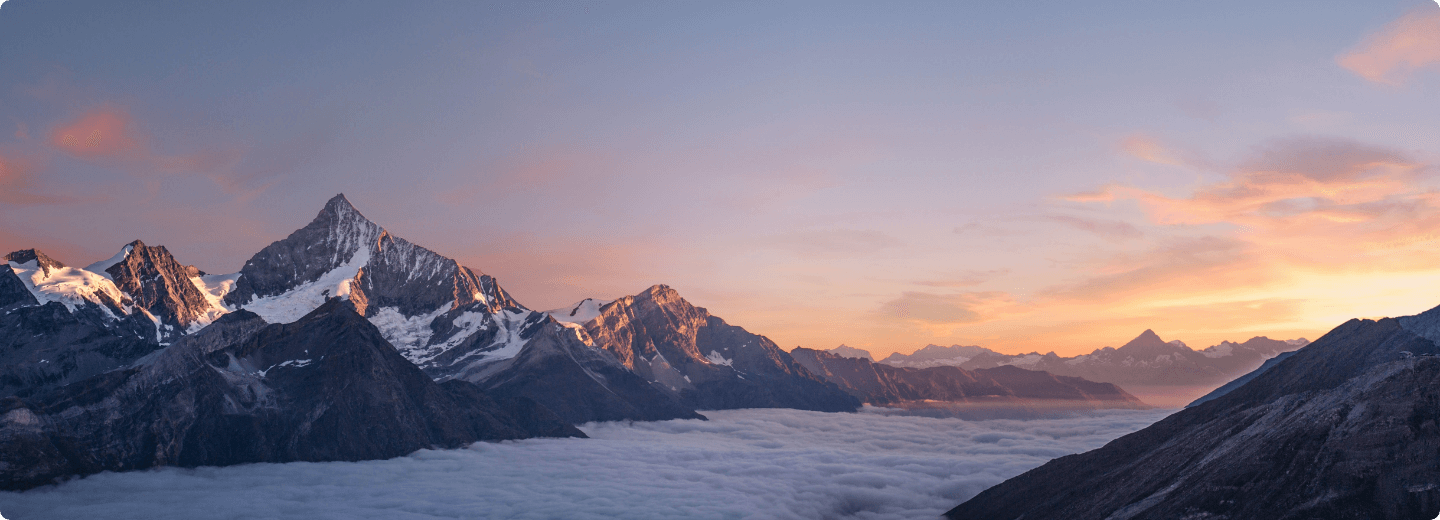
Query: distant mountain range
1146,360
1346,427
343,341
882,384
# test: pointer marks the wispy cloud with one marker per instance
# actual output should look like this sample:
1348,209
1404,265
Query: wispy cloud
1397,51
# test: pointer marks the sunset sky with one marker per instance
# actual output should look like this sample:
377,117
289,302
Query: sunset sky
1019,175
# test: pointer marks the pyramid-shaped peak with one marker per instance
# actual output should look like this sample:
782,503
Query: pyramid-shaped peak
1148,341
339,213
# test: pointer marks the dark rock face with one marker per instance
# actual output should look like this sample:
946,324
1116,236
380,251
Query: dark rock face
579,382
47,346
706,362
1347,427
327,387
13,293
881,384
154,281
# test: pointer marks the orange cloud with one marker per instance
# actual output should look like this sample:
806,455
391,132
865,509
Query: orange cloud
107,132
1297,178
1395,52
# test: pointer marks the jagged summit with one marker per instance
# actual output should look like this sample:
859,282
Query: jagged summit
34,255
424,303
162,286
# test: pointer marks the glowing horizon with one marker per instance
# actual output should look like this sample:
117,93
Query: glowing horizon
1023,177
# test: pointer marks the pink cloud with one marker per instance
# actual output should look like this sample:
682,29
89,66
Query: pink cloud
1399,49
104,133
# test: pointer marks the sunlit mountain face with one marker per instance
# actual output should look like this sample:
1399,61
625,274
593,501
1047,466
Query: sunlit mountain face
797,260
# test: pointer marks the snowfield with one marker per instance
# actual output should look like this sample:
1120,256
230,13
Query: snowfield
760,464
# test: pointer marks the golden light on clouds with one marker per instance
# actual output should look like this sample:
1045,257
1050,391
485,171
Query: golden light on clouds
1397,51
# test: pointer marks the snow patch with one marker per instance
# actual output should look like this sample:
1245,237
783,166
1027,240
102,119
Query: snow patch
69,286
582,312
718,359
407,334
214,288
101,266
296,303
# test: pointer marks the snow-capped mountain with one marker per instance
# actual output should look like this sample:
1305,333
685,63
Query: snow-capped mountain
442,316
700,359
61,324
881,384
1146,360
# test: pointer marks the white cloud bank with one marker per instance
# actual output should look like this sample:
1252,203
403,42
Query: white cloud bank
755,464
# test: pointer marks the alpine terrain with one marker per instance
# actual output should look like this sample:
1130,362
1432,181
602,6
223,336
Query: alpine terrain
1347,427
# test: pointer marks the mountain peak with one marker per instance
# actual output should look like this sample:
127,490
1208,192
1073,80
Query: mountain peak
41,261
339,202
338,212
1148,343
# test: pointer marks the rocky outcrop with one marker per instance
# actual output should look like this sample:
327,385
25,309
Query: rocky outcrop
579,382
1347,427
327,387
154,281
881,384
705,362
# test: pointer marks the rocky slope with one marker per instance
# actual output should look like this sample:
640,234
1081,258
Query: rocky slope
325,387
881,384
701,360
1347,427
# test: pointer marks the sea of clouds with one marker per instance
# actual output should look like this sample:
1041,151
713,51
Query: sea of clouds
877,464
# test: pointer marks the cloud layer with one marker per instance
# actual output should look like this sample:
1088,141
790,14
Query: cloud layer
741,464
